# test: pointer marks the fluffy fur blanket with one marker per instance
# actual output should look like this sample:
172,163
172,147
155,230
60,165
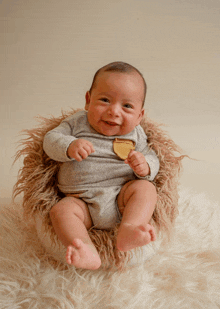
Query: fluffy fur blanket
37,181
184,274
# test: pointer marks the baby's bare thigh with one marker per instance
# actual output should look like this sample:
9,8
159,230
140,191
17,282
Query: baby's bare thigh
121,196
138,185
78,206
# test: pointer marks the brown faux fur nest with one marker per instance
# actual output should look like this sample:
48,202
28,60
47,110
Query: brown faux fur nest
37,180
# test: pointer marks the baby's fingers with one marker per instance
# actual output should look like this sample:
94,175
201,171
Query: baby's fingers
84,152
91,147
88,147
135,158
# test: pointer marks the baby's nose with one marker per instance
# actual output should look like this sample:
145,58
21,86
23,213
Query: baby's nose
114,110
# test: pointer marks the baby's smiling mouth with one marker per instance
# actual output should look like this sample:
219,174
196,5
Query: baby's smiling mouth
111,123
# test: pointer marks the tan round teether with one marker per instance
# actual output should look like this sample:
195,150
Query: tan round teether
122,147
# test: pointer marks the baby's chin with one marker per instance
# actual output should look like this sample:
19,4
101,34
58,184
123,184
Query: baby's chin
106,129
110,132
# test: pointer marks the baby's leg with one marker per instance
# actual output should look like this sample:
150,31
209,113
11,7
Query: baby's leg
138,198
71,219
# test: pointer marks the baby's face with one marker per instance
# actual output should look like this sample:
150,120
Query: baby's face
115,104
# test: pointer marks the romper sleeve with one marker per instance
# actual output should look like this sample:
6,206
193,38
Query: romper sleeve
57,141
150,156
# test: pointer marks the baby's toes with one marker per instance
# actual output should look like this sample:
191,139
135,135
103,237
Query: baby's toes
70,254
152,233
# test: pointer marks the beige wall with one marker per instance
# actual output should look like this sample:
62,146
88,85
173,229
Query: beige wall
51,49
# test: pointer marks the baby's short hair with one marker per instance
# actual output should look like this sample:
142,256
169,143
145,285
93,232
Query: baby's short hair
121,67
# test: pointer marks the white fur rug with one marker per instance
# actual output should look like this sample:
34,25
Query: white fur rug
183,274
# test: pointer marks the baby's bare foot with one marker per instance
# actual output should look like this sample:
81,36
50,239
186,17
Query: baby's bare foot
131,236
82,255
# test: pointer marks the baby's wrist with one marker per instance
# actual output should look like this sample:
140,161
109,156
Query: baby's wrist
146,177
69,151
145,172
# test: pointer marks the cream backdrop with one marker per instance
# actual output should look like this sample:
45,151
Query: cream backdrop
51,49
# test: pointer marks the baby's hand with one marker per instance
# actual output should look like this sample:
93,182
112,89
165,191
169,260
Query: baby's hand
138,163
80,149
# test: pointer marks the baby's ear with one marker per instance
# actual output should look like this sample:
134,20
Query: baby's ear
87,96
140,117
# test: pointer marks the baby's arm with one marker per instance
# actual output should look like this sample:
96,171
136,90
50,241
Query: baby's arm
80,149
57,141
144,166
61,145
138,163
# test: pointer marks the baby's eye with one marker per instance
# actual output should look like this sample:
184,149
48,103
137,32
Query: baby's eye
104,100
127,105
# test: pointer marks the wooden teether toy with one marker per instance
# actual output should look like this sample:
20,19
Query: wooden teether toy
122,147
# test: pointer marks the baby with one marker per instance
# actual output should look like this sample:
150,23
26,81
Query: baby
102,189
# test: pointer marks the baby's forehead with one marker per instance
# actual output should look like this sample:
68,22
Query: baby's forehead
133,87
104,76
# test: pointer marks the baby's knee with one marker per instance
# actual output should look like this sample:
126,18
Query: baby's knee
58,208
70,206
140,187
63,207
144,185
145,188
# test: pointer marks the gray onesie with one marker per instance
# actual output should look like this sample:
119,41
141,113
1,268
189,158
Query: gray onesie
99,178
